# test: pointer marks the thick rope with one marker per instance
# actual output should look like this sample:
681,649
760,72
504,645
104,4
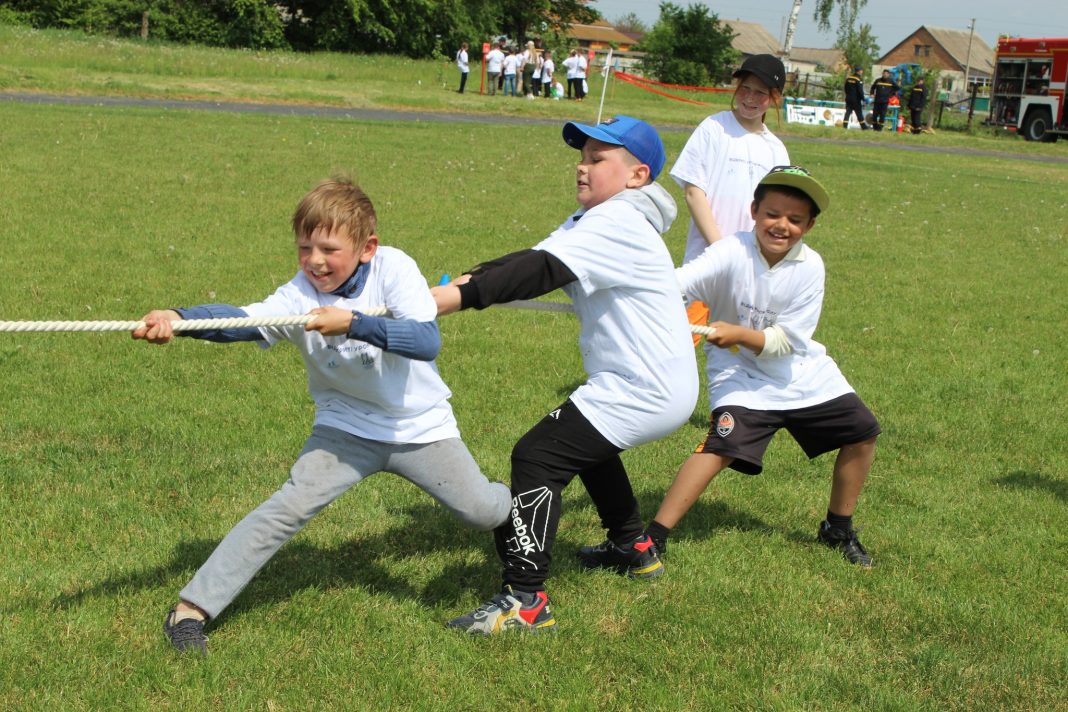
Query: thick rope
246,322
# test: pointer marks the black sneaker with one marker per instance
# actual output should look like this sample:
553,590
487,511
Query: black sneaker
639,560
508,610
845,541
186,635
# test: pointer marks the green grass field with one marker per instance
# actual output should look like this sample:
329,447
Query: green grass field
124,464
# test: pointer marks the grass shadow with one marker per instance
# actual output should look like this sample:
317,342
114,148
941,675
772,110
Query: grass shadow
359,562
1035,481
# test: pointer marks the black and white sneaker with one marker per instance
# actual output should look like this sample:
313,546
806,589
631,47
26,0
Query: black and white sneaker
639,560
845,541
186,635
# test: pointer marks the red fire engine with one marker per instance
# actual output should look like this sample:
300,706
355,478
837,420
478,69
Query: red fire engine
1028,87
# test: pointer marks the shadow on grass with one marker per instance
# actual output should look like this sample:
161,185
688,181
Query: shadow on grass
1034,480
364,561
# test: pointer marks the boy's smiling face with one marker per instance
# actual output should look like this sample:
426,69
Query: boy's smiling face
604,170
328,257
781,221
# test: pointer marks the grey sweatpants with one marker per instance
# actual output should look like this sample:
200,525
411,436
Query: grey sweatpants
333,461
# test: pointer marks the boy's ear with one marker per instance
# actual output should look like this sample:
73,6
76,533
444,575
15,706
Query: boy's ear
369,249
753,209
639,175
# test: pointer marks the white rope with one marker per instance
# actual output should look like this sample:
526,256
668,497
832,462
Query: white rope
245,322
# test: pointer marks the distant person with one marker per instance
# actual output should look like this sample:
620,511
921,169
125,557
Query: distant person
881,90
571,64
917,100
494,66
461,64
765,371
854,97
580,76
510,69
724,159
528,63
548,66
535,81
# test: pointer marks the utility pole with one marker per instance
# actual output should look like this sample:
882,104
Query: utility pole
791,26
968,59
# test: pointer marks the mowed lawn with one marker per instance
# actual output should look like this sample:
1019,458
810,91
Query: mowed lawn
124,464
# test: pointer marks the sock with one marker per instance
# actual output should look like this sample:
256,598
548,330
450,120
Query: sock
659,534
180,616
839,522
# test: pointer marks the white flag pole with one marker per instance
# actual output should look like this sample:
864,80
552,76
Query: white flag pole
604,86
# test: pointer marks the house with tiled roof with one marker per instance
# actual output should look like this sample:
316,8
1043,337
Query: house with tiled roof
752,38
599,35
951,52
808,60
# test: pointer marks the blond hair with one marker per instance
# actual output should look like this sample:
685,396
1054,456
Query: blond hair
336,203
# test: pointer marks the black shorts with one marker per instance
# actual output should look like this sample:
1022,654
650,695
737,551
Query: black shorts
744,434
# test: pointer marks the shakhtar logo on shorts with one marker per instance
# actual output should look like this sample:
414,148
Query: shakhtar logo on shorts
724,425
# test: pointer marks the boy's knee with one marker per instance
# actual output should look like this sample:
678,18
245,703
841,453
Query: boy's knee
489,512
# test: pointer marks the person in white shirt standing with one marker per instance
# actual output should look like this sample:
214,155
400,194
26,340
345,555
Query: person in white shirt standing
580,75
510,69
494,65
570,65
765,371
725,158
461,64
548,66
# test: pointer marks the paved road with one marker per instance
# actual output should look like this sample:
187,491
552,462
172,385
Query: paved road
431,116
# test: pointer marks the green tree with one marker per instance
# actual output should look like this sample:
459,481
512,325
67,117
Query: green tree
858,46
630,24
688,46
847,12
542,18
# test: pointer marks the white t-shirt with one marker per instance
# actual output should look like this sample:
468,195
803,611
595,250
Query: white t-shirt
357,387
734,280
580,67
494,61
547,68
510,64
461,60
571,65
633,333
726,161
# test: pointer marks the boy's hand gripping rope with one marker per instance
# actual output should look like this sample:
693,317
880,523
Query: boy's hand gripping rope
246,322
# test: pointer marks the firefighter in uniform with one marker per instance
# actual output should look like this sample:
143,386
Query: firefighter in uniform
881,91
854,97
917,100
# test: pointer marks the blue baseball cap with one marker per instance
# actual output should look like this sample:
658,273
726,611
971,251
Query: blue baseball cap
633,134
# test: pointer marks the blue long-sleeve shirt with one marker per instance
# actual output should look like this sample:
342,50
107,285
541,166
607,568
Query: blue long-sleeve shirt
419,340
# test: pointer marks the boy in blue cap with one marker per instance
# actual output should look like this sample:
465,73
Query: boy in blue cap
610,259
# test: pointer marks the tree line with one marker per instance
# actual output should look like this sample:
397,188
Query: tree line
416,28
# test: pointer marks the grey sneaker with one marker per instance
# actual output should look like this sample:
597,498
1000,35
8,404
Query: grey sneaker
186,635
845,541
508,610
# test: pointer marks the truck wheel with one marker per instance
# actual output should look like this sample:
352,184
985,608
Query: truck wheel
1037,125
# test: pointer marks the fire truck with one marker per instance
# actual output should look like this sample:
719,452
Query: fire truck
1027,93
